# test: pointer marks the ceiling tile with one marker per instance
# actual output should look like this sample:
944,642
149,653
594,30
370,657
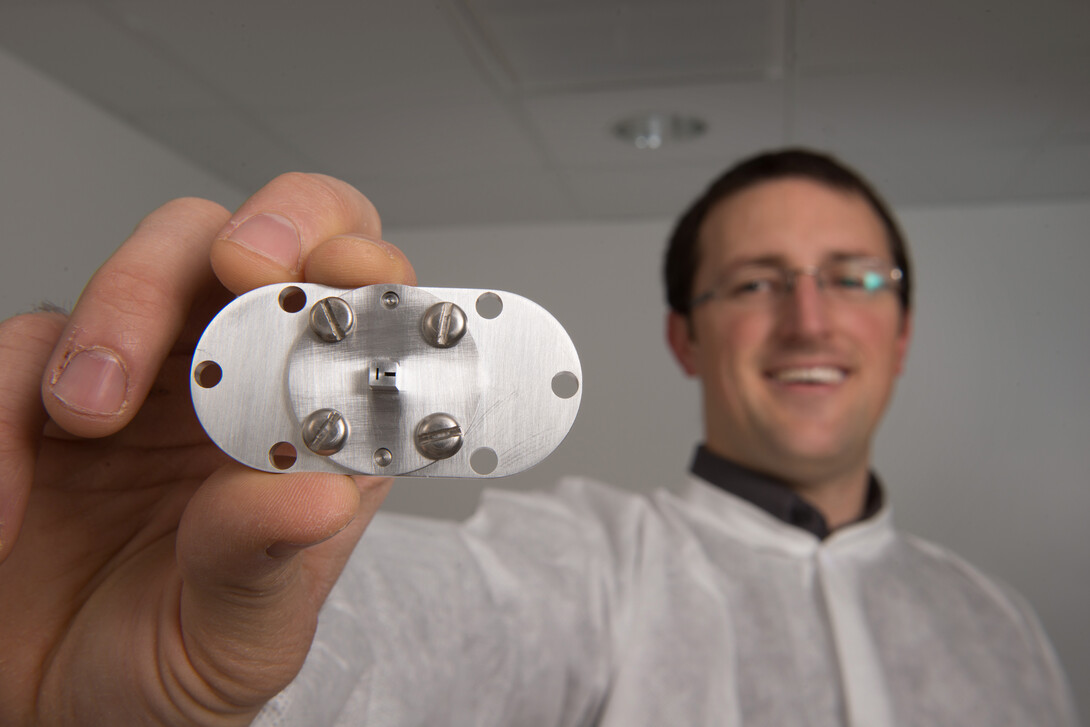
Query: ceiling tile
1055,172
88,52
282,55
448,140
983,35
919,112
571,45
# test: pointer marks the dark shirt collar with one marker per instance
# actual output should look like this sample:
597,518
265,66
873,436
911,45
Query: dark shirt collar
772,495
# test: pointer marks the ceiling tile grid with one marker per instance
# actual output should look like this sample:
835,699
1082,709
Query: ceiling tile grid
982,100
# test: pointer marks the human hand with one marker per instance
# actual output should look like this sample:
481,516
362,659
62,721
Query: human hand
144,578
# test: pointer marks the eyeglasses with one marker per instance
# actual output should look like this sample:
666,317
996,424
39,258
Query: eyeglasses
848,279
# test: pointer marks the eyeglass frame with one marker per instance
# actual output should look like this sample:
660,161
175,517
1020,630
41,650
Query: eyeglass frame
892,278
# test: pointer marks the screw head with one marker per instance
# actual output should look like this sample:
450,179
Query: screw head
443,325
325,431
331,319
390,299
438,436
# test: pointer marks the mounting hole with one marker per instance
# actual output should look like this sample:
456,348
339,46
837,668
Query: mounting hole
282,455
292,299
207,374
489,305
565,384
484,461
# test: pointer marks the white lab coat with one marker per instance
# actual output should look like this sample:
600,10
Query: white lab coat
589,606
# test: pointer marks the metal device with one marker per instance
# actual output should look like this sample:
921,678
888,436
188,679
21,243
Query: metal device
386,379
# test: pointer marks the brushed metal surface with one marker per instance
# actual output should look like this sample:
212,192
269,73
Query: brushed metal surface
496,381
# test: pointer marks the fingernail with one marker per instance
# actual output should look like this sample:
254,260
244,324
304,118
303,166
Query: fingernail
270,235
92,381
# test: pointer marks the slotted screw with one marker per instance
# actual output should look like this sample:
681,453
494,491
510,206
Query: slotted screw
438,436
331,319
325,431
443,325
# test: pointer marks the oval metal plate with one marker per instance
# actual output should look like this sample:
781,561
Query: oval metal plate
512,383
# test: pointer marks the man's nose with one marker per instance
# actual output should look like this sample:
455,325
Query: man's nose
804,309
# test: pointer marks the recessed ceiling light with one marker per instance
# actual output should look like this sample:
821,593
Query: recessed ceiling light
657,129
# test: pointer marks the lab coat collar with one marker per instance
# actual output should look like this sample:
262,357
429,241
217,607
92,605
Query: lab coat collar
737,518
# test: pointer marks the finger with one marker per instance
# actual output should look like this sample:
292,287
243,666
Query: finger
352,261
271,236
128,318
258,554
26,343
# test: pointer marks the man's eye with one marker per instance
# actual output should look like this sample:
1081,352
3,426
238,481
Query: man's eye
754,285
857,279
849,281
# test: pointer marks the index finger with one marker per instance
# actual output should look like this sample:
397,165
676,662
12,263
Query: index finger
272,235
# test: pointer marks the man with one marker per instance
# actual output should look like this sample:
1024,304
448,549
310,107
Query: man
790,293
158,584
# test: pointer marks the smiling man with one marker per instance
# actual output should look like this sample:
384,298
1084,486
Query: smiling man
790,289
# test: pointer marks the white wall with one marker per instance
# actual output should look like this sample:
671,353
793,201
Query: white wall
985,449
74,181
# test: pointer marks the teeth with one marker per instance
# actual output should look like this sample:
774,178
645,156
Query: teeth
811,375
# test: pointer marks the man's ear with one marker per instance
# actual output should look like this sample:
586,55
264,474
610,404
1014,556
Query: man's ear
679,335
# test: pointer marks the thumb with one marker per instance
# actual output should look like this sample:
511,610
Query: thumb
258,554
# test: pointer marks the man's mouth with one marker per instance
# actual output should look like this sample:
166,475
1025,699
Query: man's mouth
810,375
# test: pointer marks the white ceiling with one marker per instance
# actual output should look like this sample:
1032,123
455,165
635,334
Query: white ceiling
482,111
